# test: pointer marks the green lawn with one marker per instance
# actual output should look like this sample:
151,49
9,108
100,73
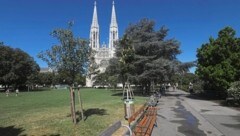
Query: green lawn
48,112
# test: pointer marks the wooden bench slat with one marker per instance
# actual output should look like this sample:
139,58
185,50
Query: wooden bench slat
149,131
136,114
143,120
145,126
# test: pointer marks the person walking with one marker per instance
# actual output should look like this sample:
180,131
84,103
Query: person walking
190,88
17,91
7,92
163,89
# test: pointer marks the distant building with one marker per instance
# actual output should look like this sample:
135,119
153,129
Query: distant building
104,53
45,70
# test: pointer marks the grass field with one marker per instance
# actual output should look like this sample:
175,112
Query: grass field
48,112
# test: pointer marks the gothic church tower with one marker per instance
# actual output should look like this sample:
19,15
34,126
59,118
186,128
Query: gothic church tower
94,32
103,53
113,33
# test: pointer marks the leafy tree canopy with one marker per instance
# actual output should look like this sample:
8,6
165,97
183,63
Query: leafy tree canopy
145,55
218,61
16,66
70,57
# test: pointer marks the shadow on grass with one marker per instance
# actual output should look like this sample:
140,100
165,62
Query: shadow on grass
11,131
117,94
89,112
94,111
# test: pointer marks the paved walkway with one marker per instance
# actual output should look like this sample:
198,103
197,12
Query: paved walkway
180,115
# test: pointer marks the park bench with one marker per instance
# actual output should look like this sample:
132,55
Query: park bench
145,125
143,120
232,101
137,114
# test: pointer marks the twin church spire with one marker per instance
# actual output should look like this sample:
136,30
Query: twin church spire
113,33
103,55
95,17
113,19
94,32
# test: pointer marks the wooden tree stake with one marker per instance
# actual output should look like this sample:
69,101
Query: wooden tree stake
80,102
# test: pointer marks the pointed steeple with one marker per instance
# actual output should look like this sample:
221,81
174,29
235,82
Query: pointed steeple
113,33
95,17
94,31
113,19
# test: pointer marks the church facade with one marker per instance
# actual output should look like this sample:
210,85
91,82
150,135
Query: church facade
104,52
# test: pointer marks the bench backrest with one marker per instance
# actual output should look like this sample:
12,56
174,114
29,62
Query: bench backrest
113,128
136,114
109,131
146,124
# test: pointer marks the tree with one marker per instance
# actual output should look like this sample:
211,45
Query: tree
46,78
145,55
114,73
119,67
183,80
80,80
16,66
123,66
234,92
70,58
100,79
218,61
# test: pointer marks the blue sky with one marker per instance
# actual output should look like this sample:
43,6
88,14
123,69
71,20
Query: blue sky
26,24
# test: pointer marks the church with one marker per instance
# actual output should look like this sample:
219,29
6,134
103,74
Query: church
104,52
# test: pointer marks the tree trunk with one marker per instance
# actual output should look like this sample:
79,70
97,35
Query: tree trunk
123,83
72,103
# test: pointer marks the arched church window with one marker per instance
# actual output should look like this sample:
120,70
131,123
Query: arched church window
94,40
113,35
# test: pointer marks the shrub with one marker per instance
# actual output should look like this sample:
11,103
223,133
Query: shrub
234,91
